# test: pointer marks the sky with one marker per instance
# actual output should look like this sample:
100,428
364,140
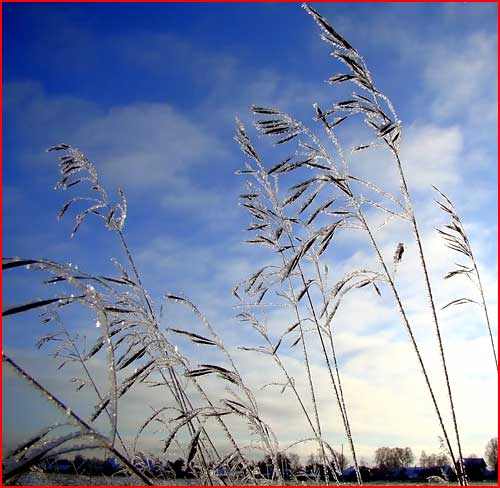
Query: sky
150,93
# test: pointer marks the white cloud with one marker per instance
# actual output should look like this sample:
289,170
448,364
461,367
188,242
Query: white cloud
463,82
140,146
431,156
148,145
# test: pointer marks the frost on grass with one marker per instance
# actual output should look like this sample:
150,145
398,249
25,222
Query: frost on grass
297,205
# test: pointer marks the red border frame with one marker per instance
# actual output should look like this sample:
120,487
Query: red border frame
198,1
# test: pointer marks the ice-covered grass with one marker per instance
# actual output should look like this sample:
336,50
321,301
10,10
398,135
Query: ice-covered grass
298,204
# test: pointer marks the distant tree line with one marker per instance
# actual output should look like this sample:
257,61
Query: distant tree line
390,463
393,457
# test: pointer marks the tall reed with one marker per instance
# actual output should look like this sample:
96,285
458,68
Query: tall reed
31,452
332,175
388,131
124,312
276,230
297,205
456,239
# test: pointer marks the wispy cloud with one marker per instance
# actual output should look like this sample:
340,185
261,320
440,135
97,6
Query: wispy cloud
139,145
148,145
463,83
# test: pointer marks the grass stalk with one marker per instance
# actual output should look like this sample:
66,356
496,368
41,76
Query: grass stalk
89,377
456,239
390,280
277,211
106,443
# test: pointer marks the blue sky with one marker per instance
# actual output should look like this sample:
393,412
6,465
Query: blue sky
149,92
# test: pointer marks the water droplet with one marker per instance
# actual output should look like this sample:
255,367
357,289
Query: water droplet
68,411
176,349
28,266
97,323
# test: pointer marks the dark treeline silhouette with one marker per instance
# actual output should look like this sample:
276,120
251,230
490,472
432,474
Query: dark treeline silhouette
390,464
82,466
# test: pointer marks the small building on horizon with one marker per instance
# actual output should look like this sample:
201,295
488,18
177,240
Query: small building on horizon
475,468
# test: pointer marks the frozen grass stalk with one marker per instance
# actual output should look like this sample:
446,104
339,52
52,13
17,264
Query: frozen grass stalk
456,239
125,314
298,205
